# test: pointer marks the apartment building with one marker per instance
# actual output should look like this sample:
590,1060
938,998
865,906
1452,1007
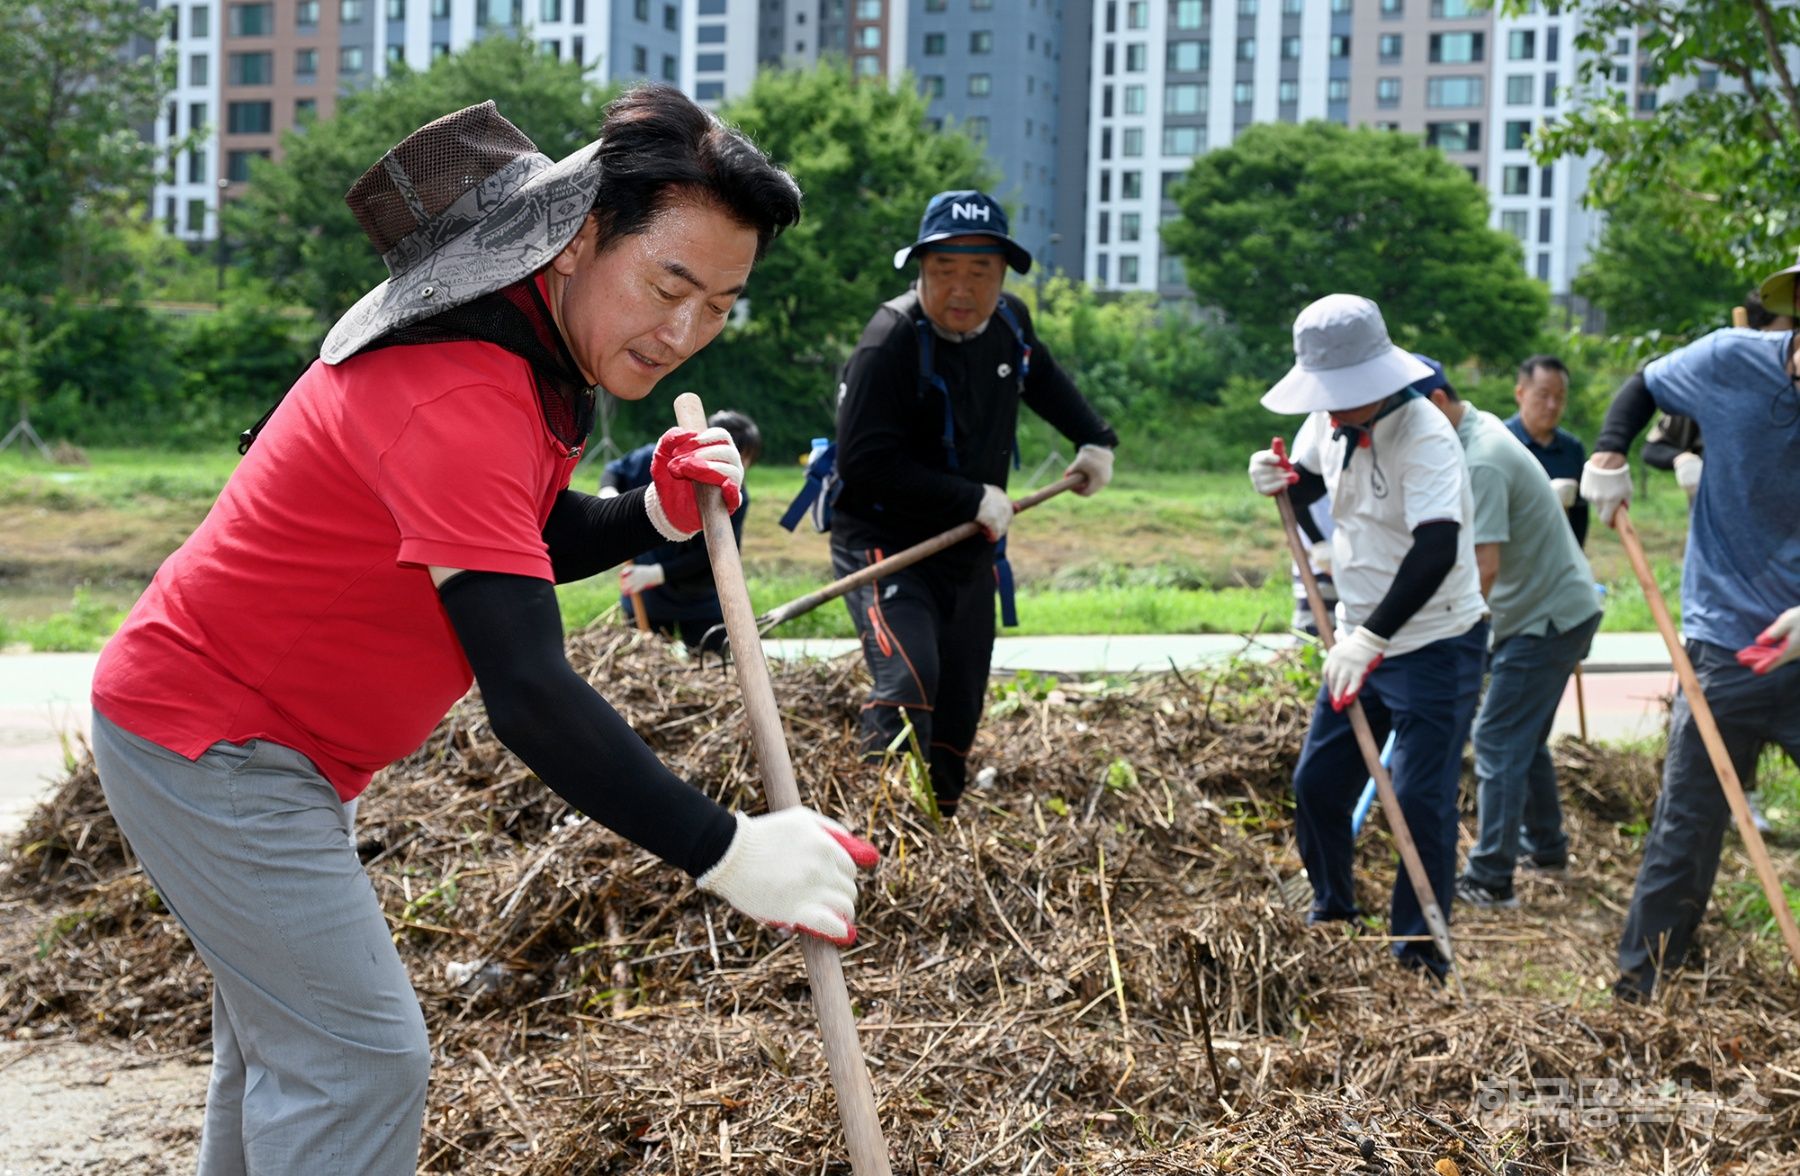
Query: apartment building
248,70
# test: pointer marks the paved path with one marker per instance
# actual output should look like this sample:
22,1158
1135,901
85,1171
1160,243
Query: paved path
44,696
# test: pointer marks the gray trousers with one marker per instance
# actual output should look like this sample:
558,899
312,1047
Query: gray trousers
320,1054
1681,853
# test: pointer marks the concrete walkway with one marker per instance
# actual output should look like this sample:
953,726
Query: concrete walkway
1627,680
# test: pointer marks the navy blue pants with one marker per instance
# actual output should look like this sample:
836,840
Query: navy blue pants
1427,699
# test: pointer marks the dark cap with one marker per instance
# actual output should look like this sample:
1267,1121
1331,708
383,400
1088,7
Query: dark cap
965,213
1426,385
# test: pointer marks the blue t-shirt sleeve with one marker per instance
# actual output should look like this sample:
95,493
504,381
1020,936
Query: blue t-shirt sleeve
1680,381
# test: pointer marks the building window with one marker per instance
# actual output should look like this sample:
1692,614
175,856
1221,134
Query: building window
441,50
1182,141
1128,269
1190,14
868,65
1389,48
1515,180
1137,14
1340,6
1550,42
712,8
306,65
1137,57
641,10
1100,269
1451,92
1646,101
1246,7
640,60
1337,90
1550,88
1451,9
977,127
1105,186
440,10
1387,91
672,17
306,14
1131,185
1131,142
396,10
1543,267
1515,221
196,169
1518,89
868,9
981,5
1543,226
1455,48
1292,7
1287,93
548,10
350,11
196,216
1134,99
1463,135
709,62
251,69
1340,46
1130,226
930,6
1184,98
709,91
251,20
237,164
1517,131
200,21
1187,56
196,115
1104,236
1521,45
350,59
1290,48
1242,93
712,34
934,44
198,65
868,37
981,41
1546,185
1171,272
981,85
1390,9
305,109
1246,49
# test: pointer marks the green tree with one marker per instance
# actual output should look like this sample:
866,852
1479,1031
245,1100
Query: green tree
867,162
1648,278
291,223
1720,161
71,158
1288,213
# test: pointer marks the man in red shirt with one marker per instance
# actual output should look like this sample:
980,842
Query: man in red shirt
396,532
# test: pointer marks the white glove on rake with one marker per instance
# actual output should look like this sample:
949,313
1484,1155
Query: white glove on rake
793,869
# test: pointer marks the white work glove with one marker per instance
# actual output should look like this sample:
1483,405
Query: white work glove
995,513
1777,645
1349,664
635,577
1605,490
1687,472
1095,462
1319,556
1566,489
1270,470
795,870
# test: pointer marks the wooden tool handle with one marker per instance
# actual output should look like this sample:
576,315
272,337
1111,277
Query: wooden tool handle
1365,739
1709,735
824,968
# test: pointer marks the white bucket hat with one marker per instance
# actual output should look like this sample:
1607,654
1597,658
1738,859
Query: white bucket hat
1343,359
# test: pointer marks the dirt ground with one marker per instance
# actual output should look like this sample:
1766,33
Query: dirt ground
69,1107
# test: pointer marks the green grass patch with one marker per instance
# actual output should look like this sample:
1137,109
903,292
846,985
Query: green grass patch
83,628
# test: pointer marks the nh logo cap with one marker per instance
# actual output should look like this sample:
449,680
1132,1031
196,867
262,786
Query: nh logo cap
965,213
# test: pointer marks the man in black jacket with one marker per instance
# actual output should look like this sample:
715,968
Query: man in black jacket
927,416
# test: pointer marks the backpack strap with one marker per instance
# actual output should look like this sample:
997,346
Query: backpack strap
819,492
1003,584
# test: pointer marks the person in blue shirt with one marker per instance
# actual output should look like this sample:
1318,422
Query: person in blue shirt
1542,392
675,580
1739,585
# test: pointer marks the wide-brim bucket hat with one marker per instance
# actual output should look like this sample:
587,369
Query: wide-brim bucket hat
1777,291
463,206
1343,359
965,213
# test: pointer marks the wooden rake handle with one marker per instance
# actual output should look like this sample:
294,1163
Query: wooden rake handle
904,558
824,969
1371,753
1709,734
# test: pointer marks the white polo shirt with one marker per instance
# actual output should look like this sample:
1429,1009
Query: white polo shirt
1411,473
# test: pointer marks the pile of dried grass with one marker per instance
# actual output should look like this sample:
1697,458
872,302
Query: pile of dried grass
592,1014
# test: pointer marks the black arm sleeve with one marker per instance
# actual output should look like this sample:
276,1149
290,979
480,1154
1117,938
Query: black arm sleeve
586,534
1630,411
1668,439
1308,490
1432,556
577,744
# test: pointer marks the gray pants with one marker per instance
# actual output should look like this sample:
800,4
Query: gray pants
1681,854
320,1054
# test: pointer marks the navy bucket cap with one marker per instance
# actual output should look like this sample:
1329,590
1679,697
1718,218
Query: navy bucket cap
965,213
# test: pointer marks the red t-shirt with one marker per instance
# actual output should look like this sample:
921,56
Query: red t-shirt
301,610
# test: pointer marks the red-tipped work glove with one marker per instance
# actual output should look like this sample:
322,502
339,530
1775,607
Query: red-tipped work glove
1777,645
637,577
793,869
1350,663
1270,470
684,459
